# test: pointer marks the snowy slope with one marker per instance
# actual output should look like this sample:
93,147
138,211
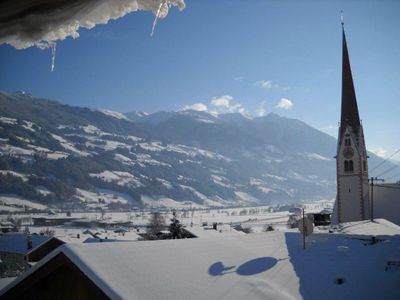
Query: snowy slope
184,156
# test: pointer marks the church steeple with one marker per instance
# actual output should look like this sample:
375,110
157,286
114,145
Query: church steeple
352,199
349,114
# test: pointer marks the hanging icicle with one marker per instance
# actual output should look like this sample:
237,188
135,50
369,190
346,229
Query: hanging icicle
158,15
53,55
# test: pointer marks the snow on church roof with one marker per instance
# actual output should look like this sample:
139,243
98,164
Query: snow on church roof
269,265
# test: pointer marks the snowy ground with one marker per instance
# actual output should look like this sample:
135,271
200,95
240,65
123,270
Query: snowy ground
17,203
268,265
198,221
188,212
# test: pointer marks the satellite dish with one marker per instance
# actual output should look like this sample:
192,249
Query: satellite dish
305,226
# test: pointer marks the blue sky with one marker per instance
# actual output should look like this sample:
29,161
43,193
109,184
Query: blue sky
251,54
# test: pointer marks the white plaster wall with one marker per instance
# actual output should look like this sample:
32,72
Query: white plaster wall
387,203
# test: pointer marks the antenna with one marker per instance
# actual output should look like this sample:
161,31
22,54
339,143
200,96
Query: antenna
341,17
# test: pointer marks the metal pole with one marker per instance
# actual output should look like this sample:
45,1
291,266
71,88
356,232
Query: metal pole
372,195
304,231
372,199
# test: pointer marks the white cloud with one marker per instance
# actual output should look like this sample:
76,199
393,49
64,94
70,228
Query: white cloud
196,106
57,20
265,84
239,78
225,104
219,105
261,111
379,152
284,104
223,101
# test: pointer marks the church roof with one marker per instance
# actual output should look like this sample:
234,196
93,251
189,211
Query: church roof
349,114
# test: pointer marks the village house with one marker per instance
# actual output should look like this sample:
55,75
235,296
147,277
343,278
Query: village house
18,250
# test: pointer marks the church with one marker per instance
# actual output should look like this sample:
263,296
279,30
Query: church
353,198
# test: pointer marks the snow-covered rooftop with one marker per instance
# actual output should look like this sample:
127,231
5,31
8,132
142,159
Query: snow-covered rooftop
17,242
269,265
209,232
378,227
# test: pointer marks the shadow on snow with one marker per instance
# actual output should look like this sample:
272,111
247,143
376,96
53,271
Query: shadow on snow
251,267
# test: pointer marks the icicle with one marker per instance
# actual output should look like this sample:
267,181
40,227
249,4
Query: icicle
53,55
158,16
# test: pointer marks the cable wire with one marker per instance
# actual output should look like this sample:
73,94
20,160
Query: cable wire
385,160
388,170
394,176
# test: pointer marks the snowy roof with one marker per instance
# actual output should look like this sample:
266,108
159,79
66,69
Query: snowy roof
17,242
379,227
5,281
209,232
70,234
94,240
269,265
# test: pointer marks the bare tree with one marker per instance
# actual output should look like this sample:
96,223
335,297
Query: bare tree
156,223
175,228
48,232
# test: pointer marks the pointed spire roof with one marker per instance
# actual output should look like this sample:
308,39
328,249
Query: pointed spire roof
349,114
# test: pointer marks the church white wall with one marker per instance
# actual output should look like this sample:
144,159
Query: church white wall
350,208
352,184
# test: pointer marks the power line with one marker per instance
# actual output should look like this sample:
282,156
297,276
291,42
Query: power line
385,160
394,176
388,170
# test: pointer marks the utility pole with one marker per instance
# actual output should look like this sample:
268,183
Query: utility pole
304,231
372,180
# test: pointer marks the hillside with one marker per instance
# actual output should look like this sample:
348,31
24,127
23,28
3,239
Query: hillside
55,154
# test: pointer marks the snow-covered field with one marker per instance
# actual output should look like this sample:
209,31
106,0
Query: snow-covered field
17,203
102,196
24,177
254,218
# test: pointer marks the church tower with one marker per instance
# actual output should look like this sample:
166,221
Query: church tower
352,199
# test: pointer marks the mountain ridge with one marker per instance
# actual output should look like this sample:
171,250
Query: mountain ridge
96,159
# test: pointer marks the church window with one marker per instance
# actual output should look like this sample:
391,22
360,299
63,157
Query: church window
351,166
348,166
364,166
347,142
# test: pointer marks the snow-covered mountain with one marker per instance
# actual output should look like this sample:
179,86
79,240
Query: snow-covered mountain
56,154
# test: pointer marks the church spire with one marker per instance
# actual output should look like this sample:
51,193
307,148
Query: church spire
352,199
349,114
